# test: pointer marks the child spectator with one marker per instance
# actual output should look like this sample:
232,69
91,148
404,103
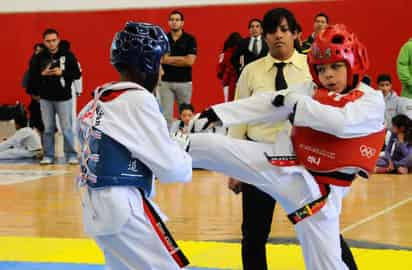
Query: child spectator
186,113
398,153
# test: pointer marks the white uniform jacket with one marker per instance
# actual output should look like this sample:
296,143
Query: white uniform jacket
134,120
356,119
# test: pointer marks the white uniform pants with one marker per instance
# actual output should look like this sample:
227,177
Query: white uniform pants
136,246
245,160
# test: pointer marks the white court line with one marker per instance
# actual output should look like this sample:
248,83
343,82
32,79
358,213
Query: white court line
380,213
9,177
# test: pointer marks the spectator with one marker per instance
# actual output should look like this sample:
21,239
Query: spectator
384,82
186,112
25,143
51,75
225,69
35,120
321,22
398,153
298,40
283,66
404,65
251,48
177,78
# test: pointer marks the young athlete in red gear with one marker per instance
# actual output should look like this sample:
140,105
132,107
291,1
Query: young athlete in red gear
337,135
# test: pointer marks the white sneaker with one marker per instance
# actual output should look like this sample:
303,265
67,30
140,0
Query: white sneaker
46,161
73,161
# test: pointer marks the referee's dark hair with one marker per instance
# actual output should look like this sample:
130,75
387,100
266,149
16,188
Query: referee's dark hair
273,18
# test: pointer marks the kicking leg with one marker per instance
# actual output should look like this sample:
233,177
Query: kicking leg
245,160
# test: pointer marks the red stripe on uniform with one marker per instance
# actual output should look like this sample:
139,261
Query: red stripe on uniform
162,237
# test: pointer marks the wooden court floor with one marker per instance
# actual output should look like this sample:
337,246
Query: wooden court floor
43,202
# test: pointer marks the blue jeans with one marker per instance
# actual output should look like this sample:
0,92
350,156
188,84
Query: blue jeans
63,109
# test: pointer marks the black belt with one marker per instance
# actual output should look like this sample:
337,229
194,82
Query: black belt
315,206
309,209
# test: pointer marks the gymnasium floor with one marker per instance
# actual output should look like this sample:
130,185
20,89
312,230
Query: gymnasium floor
41,226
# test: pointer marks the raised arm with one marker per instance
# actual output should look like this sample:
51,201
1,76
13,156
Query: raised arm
255,109
259,108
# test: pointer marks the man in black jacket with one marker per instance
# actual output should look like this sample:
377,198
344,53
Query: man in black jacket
251,48
320,22
51,75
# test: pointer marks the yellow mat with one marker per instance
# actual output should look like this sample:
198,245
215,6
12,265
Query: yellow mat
201,254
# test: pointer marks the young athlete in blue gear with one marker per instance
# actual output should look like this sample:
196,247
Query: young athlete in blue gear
125,144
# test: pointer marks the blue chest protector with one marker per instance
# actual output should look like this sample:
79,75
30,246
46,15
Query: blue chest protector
108,163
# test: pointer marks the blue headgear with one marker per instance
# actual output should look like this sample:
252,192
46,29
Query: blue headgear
140,45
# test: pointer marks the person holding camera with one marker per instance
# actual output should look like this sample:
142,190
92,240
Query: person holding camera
51,75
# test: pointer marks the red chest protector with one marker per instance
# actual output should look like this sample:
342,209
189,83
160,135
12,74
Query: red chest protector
323,153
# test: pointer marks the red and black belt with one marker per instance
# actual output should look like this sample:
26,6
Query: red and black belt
164,234
324,180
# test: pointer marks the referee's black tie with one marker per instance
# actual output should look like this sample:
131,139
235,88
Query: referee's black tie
280,82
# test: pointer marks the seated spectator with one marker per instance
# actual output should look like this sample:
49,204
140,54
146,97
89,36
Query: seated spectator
185,124
186,113
398,153
226,72
25,143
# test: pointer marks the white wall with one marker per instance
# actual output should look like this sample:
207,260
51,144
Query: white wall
11,6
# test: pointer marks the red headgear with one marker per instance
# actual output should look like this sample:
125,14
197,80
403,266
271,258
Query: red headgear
336,43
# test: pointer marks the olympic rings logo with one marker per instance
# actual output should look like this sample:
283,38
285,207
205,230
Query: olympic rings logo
367,151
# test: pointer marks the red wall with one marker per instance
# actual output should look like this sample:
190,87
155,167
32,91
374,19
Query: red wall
381,25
